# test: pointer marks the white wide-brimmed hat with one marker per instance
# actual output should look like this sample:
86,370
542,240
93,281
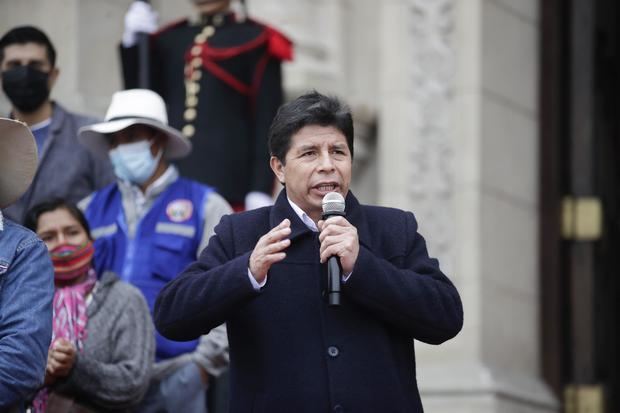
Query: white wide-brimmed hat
135,107
18,160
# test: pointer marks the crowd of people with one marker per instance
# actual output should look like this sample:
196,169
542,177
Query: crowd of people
162,214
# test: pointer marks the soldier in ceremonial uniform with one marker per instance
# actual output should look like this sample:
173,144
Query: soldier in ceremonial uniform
221,78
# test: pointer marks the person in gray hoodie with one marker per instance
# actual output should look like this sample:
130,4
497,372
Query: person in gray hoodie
103,344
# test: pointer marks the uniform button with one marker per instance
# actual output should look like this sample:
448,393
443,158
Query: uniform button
200,38
333,351
196,62
191,101
188,131
208,31
196,50
196,75
338,409
192,88
189,115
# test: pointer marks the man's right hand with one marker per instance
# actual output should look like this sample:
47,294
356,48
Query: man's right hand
270,249
140,18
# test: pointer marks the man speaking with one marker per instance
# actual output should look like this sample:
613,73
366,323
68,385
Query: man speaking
264,273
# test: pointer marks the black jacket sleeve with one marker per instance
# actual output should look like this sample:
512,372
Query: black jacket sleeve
407,289
207,292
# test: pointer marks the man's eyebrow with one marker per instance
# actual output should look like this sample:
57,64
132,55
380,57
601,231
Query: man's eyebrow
305,147
28,60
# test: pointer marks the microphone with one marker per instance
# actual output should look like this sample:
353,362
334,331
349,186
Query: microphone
333,205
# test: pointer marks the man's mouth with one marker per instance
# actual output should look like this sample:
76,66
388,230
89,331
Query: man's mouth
327,187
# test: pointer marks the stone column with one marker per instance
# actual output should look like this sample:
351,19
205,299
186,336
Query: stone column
458,146
336,52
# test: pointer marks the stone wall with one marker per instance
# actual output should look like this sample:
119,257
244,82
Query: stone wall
445,93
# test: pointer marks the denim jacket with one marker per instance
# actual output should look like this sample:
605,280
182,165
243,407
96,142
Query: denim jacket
26,293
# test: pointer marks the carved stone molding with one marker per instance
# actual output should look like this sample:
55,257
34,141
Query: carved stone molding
431,89
316,30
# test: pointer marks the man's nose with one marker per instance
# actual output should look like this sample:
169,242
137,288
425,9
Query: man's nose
326,161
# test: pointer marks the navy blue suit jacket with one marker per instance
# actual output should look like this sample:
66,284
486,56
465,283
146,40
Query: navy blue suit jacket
290,351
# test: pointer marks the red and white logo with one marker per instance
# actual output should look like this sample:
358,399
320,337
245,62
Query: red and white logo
180,210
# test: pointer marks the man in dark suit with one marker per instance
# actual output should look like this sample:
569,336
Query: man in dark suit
263,274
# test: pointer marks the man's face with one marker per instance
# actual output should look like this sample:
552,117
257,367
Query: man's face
136,133
27,75
26,54
317,162
29,54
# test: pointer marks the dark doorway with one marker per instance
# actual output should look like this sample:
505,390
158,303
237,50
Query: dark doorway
580,159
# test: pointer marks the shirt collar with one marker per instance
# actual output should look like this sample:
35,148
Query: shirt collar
140,202
303,216
160,184
356,215
43,124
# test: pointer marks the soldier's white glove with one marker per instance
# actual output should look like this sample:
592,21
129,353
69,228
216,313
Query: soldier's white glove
140,18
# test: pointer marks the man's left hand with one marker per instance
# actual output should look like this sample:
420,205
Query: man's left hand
339,238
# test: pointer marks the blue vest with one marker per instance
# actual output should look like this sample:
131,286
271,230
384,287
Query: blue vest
165,242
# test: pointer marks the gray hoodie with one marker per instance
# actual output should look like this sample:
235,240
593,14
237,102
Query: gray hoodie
113,370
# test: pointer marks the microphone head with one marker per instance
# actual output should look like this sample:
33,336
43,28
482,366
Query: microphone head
333,203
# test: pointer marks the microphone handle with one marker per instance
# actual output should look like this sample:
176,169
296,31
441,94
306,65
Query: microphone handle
333,281
333,269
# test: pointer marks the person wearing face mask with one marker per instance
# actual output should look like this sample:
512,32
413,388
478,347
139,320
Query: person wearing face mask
28,73
220,74
148,226
102,345
26,278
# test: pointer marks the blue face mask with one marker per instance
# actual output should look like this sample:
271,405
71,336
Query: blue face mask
134,162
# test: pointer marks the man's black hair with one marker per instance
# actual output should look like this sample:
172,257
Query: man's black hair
311,108
32,216
28,34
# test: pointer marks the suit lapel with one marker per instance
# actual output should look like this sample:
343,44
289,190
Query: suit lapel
282,209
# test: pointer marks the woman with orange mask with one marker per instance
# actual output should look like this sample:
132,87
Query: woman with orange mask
102,341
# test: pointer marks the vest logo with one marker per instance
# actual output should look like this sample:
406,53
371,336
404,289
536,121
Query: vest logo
180,210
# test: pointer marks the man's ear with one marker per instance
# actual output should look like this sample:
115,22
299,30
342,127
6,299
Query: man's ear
51,81
159,143
278,168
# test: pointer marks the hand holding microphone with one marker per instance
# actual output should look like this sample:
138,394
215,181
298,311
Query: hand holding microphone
339,242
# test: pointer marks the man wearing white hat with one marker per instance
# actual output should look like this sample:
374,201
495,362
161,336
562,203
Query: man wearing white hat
148,226
26,277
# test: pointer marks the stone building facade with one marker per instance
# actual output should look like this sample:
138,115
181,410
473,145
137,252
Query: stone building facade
445,94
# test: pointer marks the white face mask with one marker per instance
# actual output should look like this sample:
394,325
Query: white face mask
134,162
